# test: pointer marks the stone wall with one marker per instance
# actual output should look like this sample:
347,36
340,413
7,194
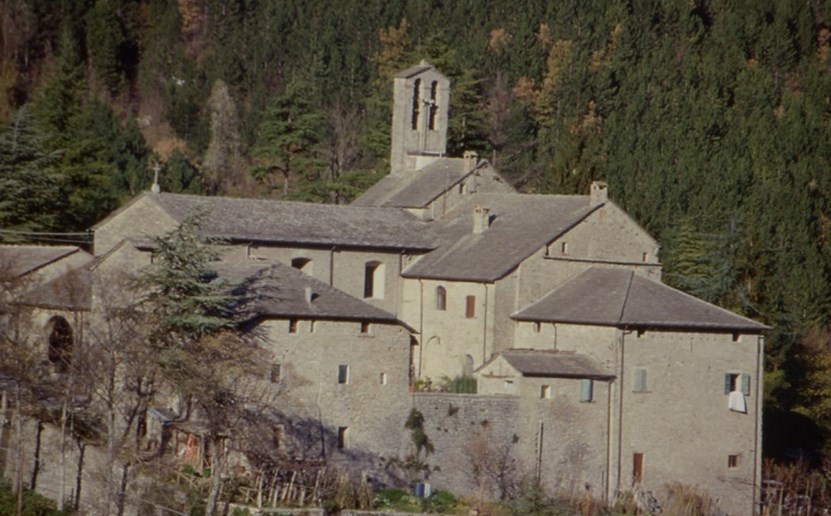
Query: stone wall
139,219
342,268
450,342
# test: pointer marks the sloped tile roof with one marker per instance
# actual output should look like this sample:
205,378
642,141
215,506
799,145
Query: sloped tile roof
71,290
19,260
276,290
549,363
521,225
301,223
415,188
621,298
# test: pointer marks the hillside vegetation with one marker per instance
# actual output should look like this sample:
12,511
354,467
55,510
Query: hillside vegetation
710,120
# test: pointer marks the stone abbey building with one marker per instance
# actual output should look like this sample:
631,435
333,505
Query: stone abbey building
592,375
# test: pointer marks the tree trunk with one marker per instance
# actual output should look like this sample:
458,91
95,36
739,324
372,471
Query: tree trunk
82,448
122,491
36,467
4,434
216,478
18,478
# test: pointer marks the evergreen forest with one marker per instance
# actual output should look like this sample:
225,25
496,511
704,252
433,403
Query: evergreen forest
709,119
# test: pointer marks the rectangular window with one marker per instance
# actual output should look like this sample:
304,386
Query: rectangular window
637,468
641,384
343,374
537,327
586,390
383,379
645,257
292,325
369,283
343,432
311,326
732,461
365,328
276,372
545,392
737,382
470,307
564,248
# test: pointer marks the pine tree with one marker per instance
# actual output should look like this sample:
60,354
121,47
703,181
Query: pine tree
30,187
286,138
183,293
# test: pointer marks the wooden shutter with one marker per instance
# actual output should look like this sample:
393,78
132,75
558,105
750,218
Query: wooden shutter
470,307
746,384
637,467
728,383
586,390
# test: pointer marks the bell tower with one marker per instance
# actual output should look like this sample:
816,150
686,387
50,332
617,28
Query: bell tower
419,117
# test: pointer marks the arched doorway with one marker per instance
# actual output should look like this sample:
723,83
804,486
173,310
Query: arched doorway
60,343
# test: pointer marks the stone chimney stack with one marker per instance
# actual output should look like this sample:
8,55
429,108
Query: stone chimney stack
471,160
308,293
481,219
599,193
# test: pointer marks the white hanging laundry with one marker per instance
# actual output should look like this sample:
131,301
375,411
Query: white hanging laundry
736,402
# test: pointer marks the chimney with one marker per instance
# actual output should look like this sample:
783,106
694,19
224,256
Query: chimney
481,219
471,160
598,194
308,294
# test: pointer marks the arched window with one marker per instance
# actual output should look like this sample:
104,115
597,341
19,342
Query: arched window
434,109
60,342
416,102
302,264
441,298
374,280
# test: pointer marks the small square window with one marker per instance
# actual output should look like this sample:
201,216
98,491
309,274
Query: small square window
343,374
276,373
343,432
545,392
737,382
383,379
292,325
732,461
365,327
645,257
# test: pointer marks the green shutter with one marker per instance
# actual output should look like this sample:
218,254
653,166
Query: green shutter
728,383
586,390
746,384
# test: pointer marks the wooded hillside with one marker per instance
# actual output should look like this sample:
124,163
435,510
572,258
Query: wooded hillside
710,120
